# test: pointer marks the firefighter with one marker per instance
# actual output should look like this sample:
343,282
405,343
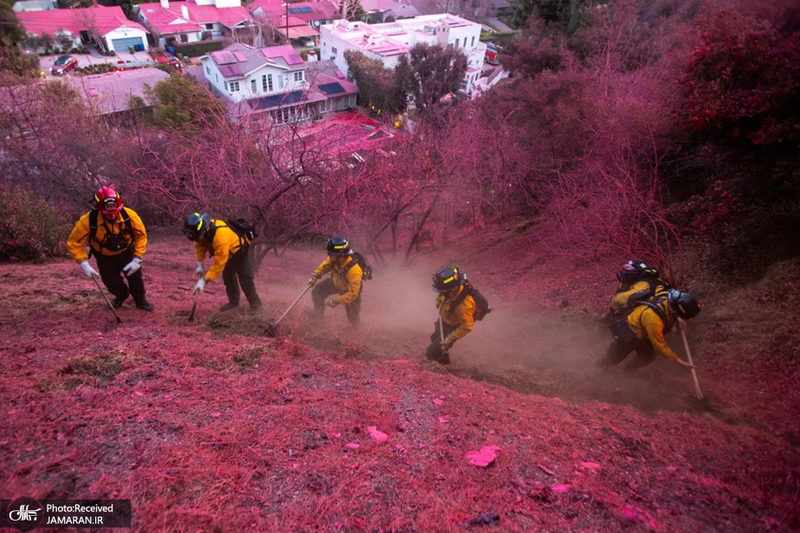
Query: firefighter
637,282
117,238
456,307
346,280
231,254
643,329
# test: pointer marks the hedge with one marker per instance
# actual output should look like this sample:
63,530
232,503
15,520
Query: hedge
197,49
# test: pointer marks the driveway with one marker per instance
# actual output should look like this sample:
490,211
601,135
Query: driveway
501,26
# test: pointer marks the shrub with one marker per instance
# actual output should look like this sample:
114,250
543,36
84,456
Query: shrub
199,48
30,228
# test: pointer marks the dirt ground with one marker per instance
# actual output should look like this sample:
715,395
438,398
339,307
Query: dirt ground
211,426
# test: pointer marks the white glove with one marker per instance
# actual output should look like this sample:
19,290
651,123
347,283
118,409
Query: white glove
87,269
133,266
199,270
201,284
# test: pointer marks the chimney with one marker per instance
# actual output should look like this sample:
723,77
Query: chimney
165,4
184,11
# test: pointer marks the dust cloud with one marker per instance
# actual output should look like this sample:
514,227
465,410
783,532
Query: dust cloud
515,346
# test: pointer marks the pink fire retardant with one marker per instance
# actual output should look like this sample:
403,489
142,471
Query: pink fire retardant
485,457
377,436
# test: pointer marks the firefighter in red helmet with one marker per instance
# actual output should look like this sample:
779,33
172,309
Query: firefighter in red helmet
117,238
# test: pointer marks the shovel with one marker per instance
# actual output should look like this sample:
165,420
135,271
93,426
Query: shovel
697,390
194,306
119,320
272,328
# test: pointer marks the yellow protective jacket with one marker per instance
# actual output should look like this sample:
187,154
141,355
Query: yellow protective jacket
226,242
462,317
620,299
349,284
645,323
79,237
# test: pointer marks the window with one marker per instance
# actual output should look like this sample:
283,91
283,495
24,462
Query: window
184,38
334,50
208,69
226,85
473,41
456,43
234,86
266,83
216,77
280,81
323,106
210,26
298,76
253,86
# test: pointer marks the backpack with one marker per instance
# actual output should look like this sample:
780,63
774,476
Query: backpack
482,307
243,228
361,261
620,326
114,243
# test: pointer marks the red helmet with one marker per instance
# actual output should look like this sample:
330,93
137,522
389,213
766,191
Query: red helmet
108,201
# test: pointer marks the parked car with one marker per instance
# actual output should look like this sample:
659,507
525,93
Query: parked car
306,42
63,64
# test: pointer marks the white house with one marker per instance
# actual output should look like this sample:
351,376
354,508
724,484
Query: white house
80,26
192,21
387,42
34,5
277,81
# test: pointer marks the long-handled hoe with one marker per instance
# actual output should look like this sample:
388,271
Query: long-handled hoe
445,352
119,320
272,328
701,400
194,306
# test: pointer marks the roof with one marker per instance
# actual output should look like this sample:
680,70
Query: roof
104,19
401,8
238,60
276,100
326,77
34,5
111,93
305,12
171,20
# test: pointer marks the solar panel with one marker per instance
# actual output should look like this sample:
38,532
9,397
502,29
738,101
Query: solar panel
276,100
230,71
223,57
304,9
240,57
331,88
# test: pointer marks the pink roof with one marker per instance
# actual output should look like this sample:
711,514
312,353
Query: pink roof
163,18
105,19
286,51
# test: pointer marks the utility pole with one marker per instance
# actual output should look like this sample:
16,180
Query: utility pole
287,21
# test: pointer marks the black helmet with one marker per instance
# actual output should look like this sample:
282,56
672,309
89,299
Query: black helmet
685,305
196,226
338,246
635,270
447,279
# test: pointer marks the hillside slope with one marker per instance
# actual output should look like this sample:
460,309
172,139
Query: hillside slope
211,426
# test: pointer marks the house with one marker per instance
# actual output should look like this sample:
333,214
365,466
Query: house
276,81
192,21
304,18
34,5
111,95
388,41
377,11
106,26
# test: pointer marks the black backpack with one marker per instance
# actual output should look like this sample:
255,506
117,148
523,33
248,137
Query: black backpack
243,228
482,307
361,261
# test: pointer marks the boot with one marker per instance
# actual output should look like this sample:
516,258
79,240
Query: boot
145,306
229,305
117,302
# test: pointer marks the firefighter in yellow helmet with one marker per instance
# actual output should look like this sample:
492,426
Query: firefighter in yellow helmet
117,238
230,252
346,280
644,328
456,312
